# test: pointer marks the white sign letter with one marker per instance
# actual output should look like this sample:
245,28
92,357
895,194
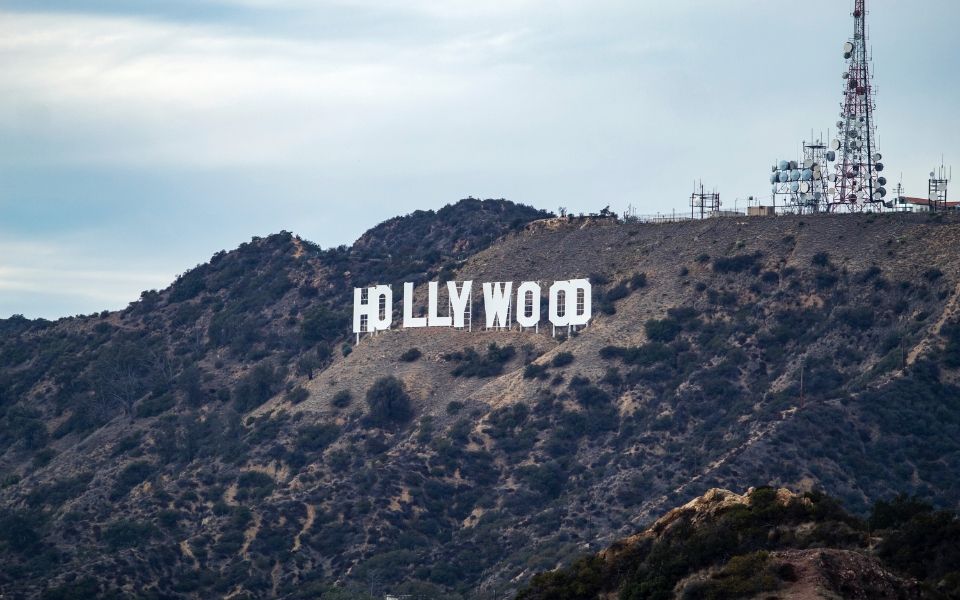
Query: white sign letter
378,309
496,303
528,304
577,303
435,319
408,319
459,301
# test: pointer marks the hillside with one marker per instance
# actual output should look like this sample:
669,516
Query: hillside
224,437
772,544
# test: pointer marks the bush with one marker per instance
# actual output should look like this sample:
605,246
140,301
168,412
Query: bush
297,395
562,359
736,264
342,399
315,438
257,387
128,534
389,403
858,318
535,371
411,355
131,476
639,280
662,330
473,364
820,259
320,324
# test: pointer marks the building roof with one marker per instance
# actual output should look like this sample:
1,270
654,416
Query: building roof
923,202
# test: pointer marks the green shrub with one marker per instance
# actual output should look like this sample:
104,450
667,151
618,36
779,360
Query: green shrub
820,259
736,264
662,330
562,359
473,364
389,403
297,395
128,534
535,371
314,438
131,476
257,387
342,399
411,355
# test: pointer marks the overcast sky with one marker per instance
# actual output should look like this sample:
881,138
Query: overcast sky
139,137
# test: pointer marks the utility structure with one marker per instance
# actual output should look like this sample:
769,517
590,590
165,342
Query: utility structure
704,204
937,188
803,185
858,172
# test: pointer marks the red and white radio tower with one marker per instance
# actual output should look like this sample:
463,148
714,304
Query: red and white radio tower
858,179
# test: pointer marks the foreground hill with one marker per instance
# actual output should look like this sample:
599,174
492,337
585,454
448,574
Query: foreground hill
772,544
225,437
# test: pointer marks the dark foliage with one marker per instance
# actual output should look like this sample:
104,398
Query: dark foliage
389,403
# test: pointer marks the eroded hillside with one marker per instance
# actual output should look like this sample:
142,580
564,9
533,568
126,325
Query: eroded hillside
226,437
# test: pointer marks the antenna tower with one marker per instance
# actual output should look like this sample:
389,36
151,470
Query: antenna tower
937,188
858,173
705,203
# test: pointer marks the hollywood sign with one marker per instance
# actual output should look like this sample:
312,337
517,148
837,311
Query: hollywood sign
569,305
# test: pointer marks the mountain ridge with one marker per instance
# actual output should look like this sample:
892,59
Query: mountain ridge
213,427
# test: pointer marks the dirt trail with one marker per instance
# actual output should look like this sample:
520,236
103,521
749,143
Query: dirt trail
311,515
249,535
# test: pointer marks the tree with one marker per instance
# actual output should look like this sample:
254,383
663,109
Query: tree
389,402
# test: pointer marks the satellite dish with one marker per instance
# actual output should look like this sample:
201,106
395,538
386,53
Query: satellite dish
877,157
815,168
933,175
804,187
832,177
847,48
831,155
793,165
847,54
817,175
933,197
806,175
795,175
808,164
795,187
883,192
854,144
882,180
846,75
774,177
835,144
879,167
941,187
783,165
783,176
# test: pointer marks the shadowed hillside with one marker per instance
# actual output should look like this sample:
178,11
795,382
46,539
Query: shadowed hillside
225,437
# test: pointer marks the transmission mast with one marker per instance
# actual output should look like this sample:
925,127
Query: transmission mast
858,174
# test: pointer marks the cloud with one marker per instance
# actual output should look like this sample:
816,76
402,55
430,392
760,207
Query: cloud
142,136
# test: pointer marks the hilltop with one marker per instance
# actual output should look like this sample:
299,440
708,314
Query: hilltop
771,544
225,436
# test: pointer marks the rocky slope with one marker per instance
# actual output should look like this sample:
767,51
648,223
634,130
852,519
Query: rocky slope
770,544
225,437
